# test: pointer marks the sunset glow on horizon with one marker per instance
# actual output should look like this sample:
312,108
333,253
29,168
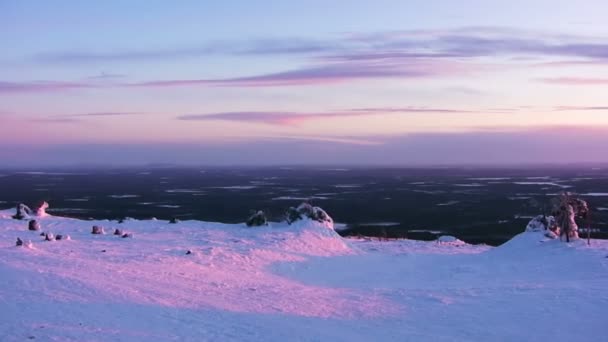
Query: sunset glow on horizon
272,82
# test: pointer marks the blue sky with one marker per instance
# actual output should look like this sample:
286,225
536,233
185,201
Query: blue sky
394,82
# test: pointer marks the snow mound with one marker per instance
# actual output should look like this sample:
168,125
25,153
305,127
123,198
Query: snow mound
311,237
196,280
450,241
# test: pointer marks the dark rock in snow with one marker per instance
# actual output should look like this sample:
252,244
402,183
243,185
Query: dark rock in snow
60,237
42,234
257,219
188,252
97,230
127,235
33,225
49,237
118,231
19,242
174,220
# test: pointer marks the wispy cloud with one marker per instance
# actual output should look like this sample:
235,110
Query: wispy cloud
575,80
460,42
55,120
40,86
296,118
276,46
104,76
101,114
581,108
325,74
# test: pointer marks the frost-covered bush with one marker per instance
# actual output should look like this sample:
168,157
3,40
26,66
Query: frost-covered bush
257,219
41,211
543,224
562,222
23,212
540,223
305,210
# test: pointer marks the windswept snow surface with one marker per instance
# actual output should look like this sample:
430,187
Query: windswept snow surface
292,283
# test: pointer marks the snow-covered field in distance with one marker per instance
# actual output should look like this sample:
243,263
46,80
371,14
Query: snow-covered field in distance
292,283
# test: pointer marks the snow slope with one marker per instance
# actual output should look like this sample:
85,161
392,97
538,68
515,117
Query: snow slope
297,283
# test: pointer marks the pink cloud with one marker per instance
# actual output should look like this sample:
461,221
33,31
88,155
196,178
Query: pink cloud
327,74
296,118
575,80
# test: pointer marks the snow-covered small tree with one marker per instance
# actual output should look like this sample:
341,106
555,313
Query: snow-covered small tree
566,209
257,219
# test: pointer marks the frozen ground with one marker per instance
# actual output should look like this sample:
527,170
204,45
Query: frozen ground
292,283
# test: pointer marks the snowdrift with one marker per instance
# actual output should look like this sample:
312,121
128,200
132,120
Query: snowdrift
197,281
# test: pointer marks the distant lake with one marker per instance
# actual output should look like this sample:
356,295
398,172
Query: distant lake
476,205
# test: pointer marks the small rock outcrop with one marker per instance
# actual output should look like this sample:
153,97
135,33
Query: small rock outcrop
23,212
49,237
19,242
174,220
257,219
97,230
33,225
118,231
127,235
306,210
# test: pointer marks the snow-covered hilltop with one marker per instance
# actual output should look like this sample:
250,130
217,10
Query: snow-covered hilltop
200,281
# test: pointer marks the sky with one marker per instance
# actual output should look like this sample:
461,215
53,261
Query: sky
309,82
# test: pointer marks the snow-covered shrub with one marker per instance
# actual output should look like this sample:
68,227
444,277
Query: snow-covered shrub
257,219
306,210
566,209
41,211
540,223
543,224
33,225
23,212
